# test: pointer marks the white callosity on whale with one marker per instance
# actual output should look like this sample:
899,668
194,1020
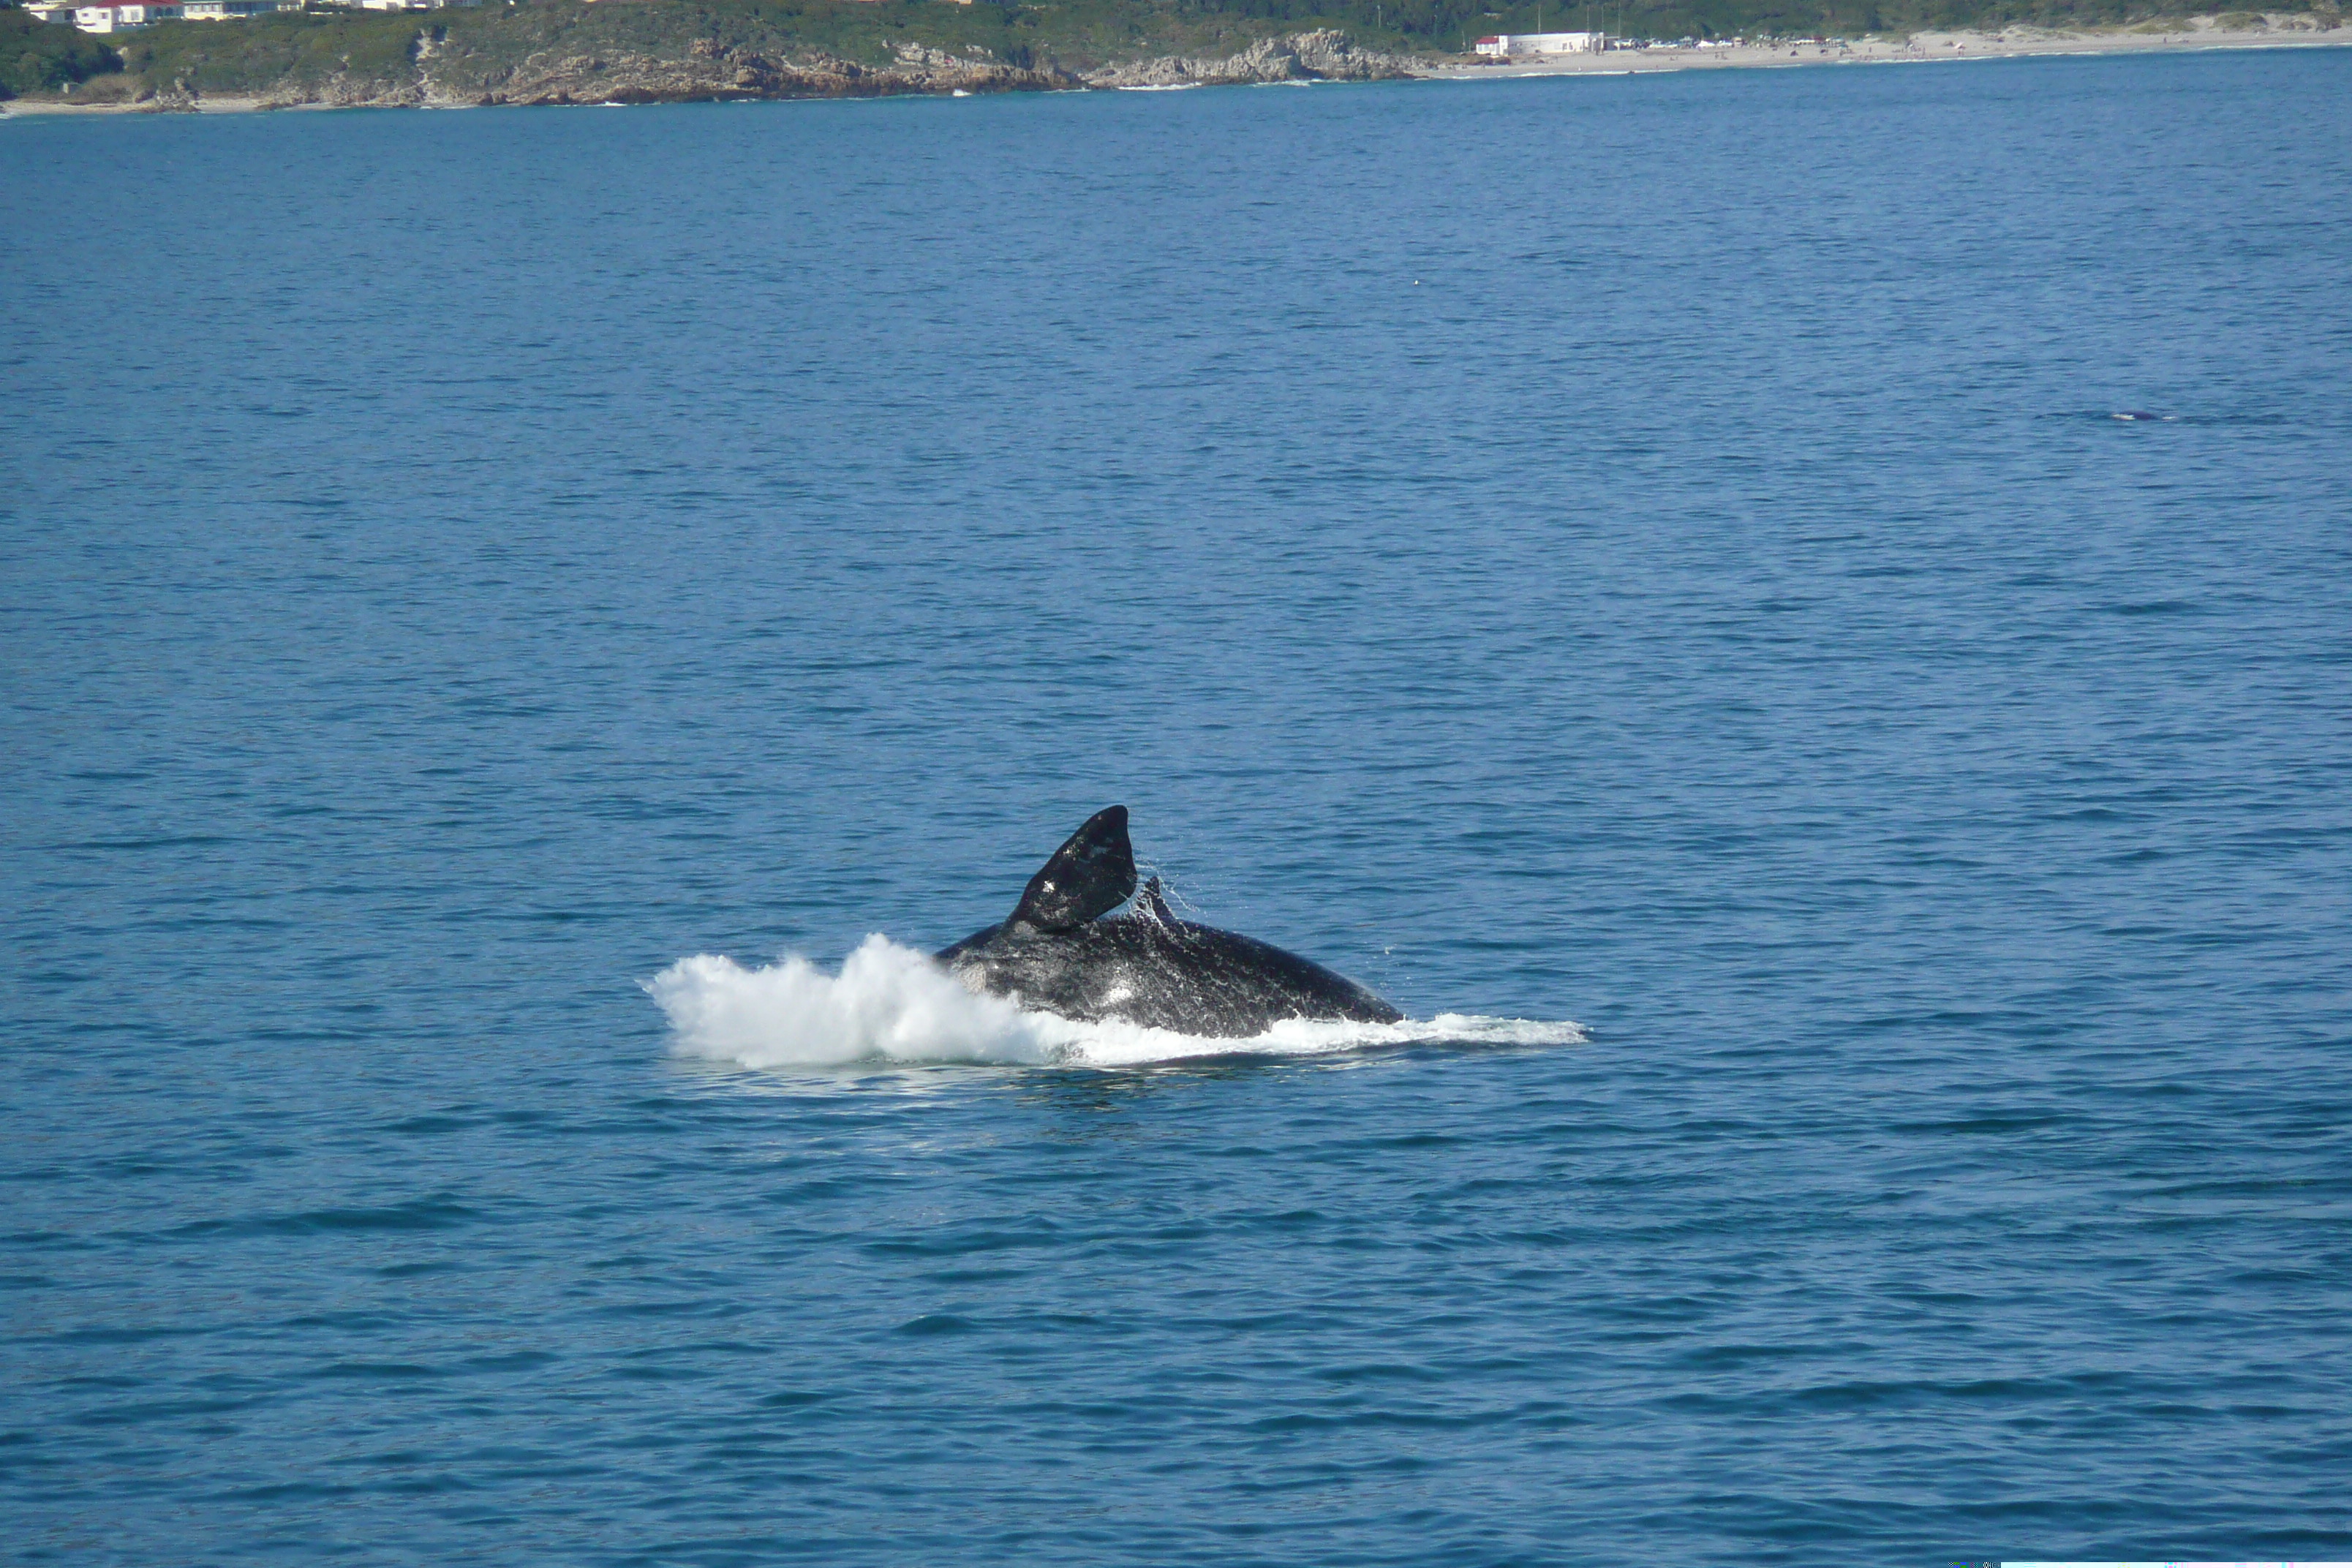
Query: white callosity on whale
1059,954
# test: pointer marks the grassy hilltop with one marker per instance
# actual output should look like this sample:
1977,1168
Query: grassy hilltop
695,49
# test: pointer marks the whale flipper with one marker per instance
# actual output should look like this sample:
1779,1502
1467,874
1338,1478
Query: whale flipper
1091,875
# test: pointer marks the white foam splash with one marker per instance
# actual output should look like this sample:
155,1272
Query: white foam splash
892,1003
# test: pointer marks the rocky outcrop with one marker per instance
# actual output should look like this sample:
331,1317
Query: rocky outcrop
445,67
705,71
1323,55
345,91
710,71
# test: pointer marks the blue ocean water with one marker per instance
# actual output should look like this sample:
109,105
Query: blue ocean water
1657,553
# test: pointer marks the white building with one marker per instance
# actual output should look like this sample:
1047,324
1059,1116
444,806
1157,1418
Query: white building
1506,45
229,10
53,13
123,18
412,4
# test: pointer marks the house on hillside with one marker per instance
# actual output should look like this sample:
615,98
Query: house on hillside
123,18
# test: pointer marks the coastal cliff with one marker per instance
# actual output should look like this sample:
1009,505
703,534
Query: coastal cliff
677,53
708,71
1323,55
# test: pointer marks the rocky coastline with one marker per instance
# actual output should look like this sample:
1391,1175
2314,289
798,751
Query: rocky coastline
441,67
1325,54
443,74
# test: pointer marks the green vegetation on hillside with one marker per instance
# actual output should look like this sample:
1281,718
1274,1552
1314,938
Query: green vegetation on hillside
229,59
233,58
41,57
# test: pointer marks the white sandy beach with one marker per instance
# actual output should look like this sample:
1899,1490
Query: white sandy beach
2010,43
190,106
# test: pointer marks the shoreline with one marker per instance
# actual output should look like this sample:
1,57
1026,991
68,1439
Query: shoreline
2012,43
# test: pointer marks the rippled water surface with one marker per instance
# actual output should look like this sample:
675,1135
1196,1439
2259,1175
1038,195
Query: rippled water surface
1653,552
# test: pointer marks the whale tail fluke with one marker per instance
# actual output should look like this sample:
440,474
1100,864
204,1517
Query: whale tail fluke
1089,876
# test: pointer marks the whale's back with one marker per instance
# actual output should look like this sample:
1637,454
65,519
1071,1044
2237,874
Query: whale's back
1162,973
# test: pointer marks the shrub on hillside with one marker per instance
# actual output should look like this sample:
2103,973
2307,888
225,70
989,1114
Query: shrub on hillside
42,57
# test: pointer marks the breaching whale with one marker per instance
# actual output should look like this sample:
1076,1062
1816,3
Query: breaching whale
1056,954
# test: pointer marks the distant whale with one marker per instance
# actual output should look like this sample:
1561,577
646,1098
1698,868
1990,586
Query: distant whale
1056,954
